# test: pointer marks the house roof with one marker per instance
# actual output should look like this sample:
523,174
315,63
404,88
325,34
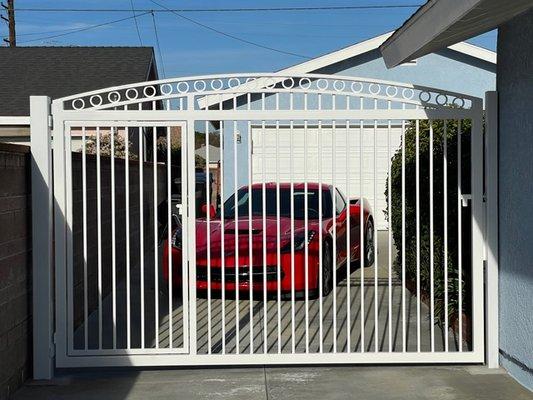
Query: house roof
315,64
439,24
214,153
63,71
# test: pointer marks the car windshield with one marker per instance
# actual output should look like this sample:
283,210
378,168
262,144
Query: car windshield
284,203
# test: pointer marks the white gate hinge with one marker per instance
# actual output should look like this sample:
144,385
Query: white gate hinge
465,198
50,122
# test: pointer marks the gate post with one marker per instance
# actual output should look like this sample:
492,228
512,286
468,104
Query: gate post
41,195
491,241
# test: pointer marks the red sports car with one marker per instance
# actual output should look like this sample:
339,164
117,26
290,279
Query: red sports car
260,231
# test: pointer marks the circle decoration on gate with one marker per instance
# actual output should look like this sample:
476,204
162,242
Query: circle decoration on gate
281,85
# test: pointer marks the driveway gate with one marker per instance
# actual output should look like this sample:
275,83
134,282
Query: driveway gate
268,219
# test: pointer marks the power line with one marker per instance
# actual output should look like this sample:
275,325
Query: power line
253,9
230,35
158,46
82,29
136,24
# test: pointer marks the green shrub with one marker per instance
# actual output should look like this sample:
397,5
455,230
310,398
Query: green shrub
438,212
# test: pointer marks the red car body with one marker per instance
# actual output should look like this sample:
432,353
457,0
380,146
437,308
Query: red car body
271,252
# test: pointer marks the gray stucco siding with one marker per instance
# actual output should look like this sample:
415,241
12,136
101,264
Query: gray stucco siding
515,87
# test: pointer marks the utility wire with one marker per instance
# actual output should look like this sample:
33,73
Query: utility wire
82,29
136,24
230,35
158,46
255,9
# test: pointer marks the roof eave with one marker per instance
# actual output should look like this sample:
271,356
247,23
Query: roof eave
439,24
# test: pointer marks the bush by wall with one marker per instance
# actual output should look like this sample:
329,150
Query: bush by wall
439,191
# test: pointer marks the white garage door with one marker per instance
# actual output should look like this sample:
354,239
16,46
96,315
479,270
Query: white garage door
379,139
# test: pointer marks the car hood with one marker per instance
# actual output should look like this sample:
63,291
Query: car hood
239,231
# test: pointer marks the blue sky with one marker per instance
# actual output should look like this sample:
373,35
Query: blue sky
188,49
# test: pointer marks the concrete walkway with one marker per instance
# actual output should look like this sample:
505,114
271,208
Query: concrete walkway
413,383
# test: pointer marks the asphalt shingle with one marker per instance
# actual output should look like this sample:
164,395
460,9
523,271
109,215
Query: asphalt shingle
64,71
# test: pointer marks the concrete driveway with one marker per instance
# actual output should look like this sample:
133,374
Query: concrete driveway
306,383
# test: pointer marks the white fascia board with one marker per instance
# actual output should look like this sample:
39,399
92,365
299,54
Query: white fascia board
6,120
475,51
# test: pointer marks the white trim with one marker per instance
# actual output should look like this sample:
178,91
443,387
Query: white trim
492,239
41,188
472,357
14,120
356,50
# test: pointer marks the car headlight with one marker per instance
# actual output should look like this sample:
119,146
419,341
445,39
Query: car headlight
299,242
176,239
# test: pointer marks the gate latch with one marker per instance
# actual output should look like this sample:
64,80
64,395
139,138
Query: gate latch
465,198
179,207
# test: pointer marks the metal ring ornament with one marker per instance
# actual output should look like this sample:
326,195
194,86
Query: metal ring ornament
440,102
359,90
98,97
424,94
135,91
389,94
411,93
219,82
251,83
82,104
145,91
337,88
322,81
166,89
290,86
116,97
270,83
178,87
200,89
305,85
456,103
233,85
372,90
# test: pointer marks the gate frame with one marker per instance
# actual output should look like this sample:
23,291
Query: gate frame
57,200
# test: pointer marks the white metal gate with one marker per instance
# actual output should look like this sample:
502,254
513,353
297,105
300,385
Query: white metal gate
242,219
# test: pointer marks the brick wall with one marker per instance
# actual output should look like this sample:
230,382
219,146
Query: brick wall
106,220
15,267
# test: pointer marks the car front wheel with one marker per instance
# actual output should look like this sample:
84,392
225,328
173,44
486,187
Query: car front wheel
370,251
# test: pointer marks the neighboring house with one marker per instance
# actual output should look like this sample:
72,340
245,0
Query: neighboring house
441,23
462,68
62,71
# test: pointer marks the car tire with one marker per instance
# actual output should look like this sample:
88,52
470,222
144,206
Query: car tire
327,269
370,251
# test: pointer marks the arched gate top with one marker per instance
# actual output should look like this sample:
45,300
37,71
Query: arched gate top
212,91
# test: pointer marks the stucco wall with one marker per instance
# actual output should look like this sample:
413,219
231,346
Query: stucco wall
515,86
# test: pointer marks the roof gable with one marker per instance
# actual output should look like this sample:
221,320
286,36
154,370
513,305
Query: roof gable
374,44
315,65
63,71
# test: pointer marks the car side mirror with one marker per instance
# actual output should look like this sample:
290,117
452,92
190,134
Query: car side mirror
211,210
